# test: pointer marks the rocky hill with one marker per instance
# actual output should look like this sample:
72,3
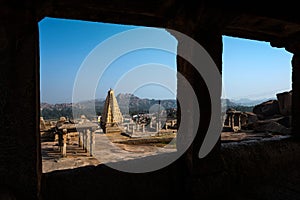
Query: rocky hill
229,104
128,103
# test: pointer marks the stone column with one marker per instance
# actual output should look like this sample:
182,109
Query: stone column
20,157
232,121
210,38
64,143
293,46
79,139
83,139
87,140
296,94
92,141
240,123
60,140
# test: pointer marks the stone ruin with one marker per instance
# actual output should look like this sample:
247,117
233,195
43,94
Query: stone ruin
258,170
272,116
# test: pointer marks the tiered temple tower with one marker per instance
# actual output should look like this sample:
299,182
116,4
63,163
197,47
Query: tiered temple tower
112,118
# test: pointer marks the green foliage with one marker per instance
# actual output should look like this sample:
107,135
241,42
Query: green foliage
242,108
57,113
132,106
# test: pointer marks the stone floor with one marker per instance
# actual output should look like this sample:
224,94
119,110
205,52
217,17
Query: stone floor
108,148
246,136
116,147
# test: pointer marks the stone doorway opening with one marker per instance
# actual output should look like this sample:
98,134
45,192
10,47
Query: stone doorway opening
257,91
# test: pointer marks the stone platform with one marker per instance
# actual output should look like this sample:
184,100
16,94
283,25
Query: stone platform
109,147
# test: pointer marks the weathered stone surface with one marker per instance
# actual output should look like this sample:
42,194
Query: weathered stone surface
285,121
252,117
267,109
271,126
60,122
20,151
42,124
111,118
6,194
285,103
248,119
233,121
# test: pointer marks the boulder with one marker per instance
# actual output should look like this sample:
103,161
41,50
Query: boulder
252,117
267,110
285,121
285,103
270,126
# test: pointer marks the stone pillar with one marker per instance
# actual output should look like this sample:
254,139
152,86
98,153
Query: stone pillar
20,150
240,123
60,140
42,124
232,121
83,139
79,139
210,38
296,94
64,143
87,140
56,137
92,142
293,46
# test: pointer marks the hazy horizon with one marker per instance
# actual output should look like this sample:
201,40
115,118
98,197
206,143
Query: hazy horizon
231,99
103,98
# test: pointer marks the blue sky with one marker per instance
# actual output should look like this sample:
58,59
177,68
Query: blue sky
66,44
253,69
250,69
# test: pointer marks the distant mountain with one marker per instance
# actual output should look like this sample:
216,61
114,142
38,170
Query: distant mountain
249,102
131,104
229,104
128,103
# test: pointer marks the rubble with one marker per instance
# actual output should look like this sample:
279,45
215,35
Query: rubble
272,116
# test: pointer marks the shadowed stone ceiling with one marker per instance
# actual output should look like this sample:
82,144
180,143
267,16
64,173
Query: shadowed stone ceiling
251,21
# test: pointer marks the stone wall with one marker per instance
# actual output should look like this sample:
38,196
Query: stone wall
258,170
215,175
20,168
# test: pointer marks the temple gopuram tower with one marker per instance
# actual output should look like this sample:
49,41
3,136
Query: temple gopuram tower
111,118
